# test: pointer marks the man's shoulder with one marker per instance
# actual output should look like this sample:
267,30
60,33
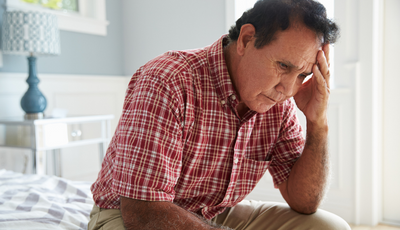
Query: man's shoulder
174,72
174,62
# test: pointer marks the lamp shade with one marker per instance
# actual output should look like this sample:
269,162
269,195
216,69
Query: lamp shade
30,32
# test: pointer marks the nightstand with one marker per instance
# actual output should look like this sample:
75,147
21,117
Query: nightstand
49,134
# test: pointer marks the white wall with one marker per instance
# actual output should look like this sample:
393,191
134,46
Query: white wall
391,111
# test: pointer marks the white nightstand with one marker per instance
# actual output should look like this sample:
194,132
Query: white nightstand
53,134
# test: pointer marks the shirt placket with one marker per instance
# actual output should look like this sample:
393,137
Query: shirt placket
239,151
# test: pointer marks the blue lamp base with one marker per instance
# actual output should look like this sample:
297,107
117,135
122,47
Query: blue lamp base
33,102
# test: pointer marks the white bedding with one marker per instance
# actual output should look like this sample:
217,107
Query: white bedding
43,202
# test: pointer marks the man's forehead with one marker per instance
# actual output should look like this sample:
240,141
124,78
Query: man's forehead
299,59
307,68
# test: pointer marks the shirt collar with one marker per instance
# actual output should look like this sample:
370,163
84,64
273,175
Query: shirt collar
219,71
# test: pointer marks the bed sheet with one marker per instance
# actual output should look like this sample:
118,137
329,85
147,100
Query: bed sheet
43,202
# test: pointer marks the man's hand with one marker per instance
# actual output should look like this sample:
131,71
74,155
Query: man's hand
138,214
308,181
312,98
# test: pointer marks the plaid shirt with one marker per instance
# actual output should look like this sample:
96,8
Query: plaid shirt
180,138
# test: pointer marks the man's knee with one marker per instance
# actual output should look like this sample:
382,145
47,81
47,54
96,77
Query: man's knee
327,221
271,215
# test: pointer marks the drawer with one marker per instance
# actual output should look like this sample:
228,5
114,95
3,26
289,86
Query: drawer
53,135
16,135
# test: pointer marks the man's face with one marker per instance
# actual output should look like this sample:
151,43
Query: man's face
275,72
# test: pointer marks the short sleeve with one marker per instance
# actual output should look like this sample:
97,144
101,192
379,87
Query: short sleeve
289,145
149,147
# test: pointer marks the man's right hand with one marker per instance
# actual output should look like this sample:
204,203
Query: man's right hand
138,214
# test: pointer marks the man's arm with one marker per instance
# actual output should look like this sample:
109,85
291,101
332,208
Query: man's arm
308,180
164,215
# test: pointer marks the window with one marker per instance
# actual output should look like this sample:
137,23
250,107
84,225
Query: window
84,16
67,5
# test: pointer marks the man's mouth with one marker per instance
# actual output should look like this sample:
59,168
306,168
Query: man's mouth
273,100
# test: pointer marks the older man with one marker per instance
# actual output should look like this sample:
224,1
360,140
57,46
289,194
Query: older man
200,128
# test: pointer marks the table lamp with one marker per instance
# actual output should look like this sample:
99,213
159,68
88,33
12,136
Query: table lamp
31,33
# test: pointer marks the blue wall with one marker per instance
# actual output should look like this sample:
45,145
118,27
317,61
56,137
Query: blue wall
153,27
138,31
80,53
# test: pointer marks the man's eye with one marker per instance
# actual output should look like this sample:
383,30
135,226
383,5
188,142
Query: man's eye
303,78
283,66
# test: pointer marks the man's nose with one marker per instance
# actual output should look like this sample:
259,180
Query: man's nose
287,85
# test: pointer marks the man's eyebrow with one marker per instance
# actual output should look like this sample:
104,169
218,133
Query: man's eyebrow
291,65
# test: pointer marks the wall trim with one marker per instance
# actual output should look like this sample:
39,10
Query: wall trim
368,117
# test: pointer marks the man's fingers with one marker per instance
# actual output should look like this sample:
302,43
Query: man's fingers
321,83
323,67
326,48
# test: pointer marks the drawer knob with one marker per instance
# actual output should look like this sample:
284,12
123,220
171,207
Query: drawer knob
76,133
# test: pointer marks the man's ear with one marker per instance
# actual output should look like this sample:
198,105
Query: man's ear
247,32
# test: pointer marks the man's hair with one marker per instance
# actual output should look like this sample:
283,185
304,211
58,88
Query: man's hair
270,16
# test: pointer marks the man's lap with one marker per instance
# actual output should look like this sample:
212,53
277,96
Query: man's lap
248,215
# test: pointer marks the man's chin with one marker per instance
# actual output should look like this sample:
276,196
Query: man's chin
264,108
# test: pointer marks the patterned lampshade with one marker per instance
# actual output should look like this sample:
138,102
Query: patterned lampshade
30,32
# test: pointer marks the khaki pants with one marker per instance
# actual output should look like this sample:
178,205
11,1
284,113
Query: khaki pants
247,215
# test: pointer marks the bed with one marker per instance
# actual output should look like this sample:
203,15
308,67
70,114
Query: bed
43,202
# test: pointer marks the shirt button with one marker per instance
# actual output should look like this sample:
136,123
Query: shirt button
223,102
227,197
236,160
233,97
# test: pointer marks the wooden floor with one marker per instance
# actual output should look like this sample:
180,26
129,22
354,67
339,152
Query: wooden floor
379,227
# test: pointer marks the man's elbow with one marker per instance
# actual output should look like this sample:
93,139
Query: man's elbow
302,202
306,208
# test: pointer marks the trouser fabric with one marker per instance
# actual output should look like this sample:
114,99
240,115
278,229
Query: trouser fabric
247,215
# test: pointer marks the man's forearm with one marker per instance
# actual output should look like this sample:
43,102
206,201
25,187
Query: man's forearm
309,178
160,215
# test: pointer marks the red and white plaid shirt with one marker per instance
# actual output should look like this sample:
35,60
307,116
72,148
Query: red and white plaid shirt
180,138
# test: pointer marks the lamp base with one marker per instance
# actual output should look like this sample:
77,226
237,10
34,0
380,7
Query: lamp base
33,101
33,116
